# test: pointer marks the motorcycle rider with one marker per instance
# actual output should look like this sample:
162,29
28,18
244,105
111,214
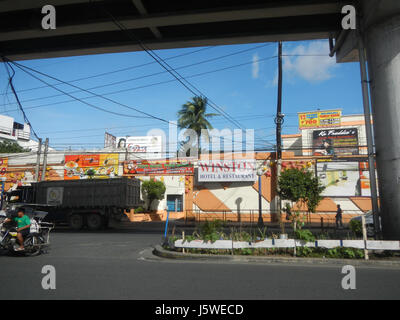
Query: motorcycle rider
23,225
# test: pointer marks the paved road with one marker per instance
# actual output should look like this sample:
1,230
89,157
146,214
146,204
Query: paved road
117,264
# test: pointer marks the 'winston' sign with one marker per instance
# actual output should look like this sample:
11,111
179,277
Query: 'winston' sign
227,170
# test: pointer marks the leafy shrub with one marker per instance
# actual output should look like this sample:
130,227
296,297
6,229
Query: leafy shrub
305,235
211,230
246,251
356,227
346,253
242,236
262,233
303,251
153,190
300,185
189,238
209,227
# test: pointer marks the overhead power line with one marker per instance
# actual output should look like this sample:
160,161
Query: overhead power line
118,70
149,85
242,118
189,86
23,68
10,81
151,74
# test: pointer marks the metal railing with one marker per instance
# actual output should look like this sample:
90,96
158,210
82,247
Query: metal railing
250,217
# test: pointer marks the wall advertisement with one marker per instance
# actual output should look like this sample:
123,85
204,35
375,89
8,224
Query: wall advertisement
86,166
145,144
3,166
334,142
158,167
344,178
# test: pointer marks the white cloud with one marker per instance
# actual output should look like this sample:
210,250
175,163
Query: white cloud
311,68
255,66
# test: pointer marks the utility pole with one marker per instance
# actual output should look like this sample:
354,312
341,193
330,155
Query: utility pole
279,118
368,129
46,147
279,121
39,150
260,222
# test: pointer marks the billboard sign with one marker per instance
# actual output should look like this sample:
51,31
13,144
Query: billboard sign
227,170
334,142
145,144
320,119
3,166
158,167
339,178
85,166
109,140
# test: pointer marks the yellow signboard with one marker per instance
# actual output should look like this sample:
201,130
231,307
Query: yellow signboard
320,119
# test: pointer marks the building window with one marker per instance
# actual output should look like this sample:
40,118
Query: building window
175,202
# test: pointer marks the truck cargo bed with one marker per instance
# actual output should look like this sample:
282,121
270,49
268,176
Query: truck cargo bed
116,192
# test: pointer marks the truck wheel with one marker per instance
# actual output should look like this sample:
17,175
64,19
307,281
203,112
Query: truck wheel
94,221
76,221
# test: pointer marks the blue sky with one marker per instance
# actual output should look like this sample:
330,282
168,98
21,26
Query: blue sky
247,92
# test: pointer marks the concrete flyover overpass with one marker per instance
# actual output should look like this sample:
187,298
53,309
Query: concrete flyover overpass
85,27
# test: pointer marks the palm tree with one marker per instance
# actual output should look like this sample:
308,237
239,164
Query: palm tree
193,116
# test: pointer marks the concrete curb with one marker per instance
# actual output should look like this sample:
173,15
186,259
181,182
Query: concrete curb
161,252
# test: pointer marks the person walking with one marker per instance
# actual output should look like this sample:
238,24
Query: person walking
339,220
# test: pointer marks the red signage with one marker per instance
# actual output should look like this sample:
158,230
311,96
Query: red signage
158,167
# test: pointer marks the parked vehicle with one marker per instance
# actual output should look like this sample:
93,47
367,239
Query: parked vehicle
369,222
80,203
35,242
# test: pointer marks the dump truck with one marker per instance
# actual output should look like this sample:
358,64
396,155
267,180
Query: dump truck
87,203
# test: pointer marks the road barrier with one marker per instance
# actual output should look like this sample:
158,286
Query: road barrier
289,243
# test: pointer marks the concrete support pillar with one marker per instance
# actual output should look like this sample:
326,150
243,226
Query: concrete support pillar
381,33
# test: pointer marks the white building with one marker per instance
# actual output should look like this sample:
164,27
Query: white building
16,132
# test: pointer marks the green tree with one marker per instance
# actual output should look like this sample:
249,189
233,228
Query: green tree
193,116
300,185
11,147
153,190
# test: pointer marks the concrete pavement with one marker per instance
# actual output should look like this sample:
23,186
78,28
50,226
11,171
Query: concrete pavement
118,264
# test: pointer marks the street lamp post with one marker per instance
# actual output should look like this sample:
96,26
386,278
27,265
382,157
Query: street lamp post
260,223
165,239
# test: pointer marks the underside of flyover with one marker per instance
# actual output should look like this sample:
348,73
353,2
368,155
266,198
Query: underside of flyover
87,27
90,27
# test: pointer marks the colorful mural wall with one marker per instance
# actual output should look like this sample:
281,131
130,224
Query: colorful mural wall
84,166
